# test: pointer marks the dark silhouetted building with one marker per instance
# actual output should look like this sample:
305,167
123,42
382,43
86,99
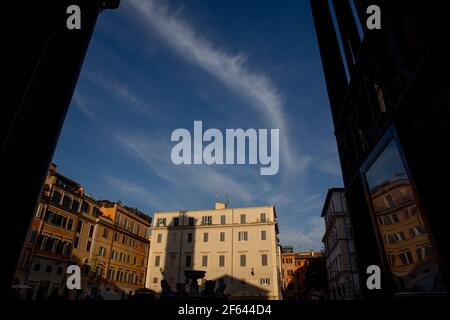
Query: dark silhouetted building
389,93
40,69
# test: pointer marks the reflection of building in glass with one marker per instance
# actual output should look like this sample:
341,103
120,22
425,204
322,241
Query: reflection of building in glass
404,236
392,85
237,247
342,271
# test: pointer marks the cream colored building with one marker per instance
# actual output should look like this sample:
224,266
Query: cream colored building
235,246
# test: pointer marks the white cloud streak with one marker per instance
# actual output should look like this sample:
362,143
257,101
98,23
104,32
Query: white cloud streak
156,156
118,90
84,106
228,68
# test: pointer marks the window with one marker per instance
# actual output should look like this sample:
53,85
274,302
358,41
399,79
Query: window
206,220
416,231
124,239
32,235
159,238
264,259
116,236
75,205
176,221
264,281
172,258
56,197
191,221
37,267
223,219
161,222
76,242
262,217
155,280
390,201
55,219
88,246
204,261
70,224
242,218
221,261
263,235
406,257
95,211
84,207
222,236
424,252
101,252
189,237
40,211
205,236
91,231
380,97
79,226
242,236
105,233
48,269
157,261
111,274
243,260
66,202
391,259
188,261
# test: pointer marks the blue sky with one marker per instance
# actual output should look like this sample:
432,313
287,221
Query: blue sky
155,66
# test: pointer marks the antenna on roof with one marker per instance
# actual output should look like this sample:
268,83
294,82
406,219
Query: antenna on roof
227,201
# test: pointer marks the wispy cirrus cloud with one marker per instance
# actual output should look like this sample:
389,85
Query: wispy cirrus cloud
119,90
83,105
230,69
306,237
207,179
134,191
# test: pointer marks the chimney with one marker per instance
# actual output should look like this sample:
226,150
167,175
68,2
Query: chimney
220,205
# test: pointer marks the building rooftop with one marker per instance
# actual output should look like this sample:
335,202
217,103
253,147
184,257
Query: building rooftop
328,197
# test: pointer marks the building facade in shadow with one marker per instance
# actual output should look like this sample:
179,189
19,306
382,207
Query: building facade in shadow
342,266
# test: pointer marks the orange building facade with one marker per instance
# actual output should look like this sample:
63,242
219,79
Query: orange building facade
70,227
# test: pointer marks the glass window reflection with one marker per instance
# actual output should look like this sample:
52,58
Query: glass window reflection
403,234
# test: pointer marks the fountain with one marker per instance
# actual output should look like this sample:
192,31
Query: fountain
194,275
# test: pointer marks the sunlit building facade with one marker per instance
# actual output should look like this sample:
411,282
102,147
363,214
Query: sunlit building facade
108,241
238,247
